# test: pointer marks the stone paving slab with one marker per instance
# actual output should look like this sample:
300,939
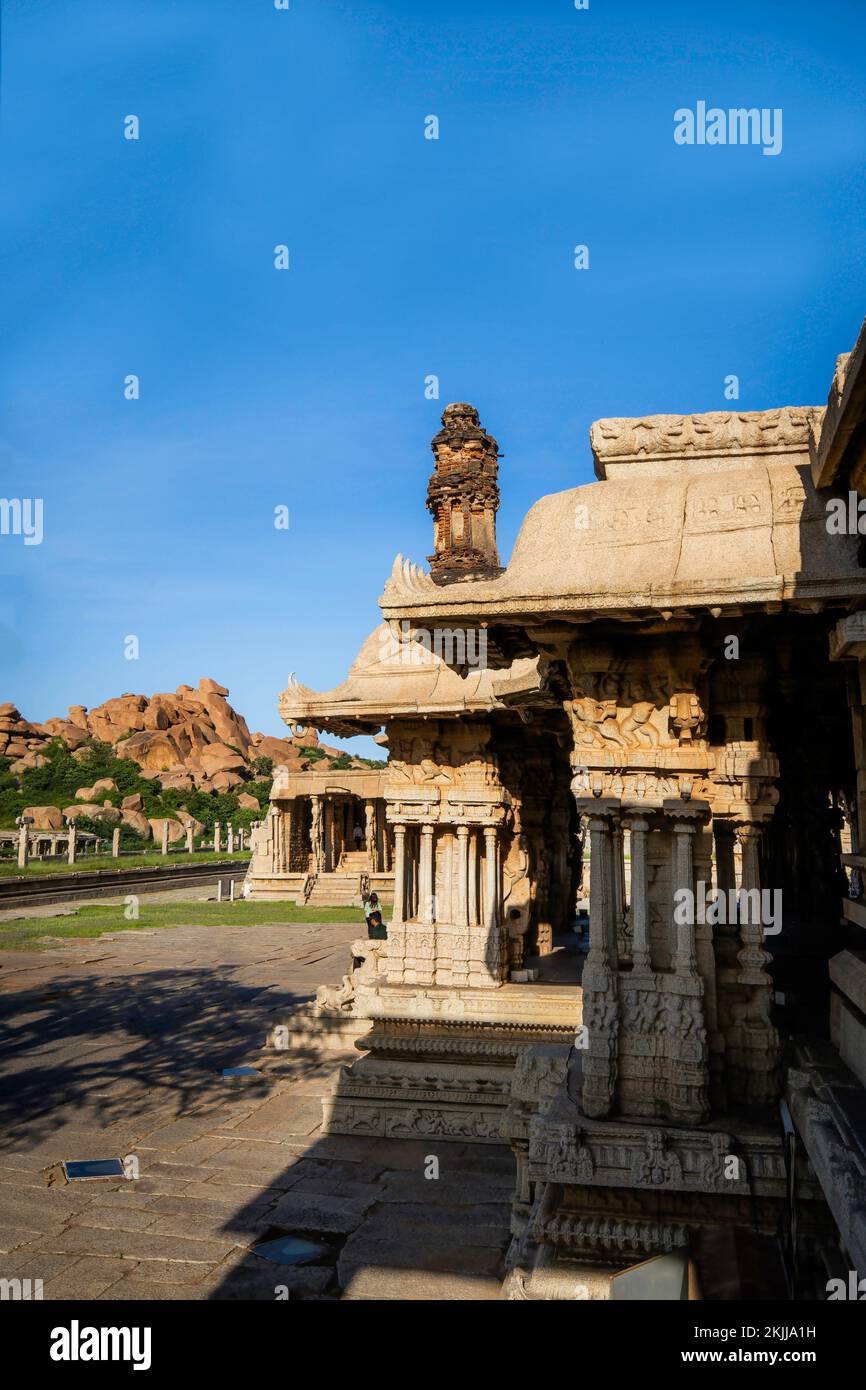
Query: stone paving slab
117,1047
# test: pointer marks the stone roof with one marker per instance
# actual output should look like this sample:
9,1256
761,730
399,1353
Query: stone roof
394,674
717,512
838,447
709,510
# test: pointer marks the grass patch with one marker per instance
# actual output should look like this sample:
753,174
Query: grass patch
41,867
23,933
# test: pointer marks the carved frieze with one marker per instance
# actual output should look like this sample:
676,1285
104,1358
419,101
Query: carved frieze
716,432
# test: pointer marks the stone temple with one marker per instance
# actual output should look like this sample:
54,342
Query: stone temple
654,711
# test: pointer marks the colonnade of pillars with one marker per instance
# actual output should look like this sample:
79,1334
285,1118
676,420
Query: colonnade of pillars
34,843
733,842
324,826
464,859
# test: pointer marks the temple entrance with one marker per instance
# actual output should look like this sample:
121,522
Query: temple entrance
325,840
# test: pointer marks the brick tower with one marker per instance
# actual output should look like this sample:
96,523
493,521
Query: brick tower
463,496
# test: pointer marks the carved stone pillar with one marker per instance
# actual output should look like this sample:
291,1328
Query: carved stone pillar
752,1040
602,930
724,932
426,887
410,874
752,956
446,904
491,875
317,833
726,873
639,829
461,916
600,980
684,882
386,855
399,873
275,828
473,877
328,856
618,871
370,835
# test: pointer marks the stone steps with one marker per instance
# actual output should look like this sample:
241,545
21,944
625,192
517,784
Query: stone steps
354,861
338,889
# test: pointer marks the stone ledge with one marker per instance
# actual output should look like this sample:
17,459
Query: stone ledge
848,973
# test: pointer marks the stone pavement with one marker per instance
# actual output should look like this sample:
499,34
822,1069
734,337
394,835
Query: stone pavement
116,1046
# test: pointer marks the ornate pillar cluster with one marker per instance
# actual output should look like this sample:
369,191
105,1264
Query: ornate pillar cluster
751,1038
446,926
600,985
644,1042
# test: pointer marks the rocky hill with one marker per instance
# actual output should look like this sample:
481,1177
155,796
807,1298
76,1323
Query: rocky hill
189,739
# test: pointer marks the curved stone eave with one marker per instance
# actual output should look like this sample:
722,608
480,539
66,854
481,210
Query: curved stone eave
586,606
347,720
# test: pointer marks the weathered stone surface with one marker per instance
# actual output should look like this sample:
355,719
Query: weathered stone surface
189,821
92,811
45,817
188,738
73,735
312,1211
138,822
99,788
175,829
226,781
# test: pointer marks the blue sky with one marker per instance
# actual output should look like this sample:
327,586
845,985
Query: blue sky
408,257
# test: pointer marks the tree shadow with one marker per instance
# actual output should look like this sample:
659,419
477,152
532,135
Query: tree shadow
168,1030
137,1052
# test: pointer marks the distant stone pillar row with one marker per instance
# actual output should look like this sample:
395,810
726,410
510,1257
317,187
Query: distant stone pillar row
23,845
115,842
164,848
399,873
230,847
71,844
217,837
189,839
